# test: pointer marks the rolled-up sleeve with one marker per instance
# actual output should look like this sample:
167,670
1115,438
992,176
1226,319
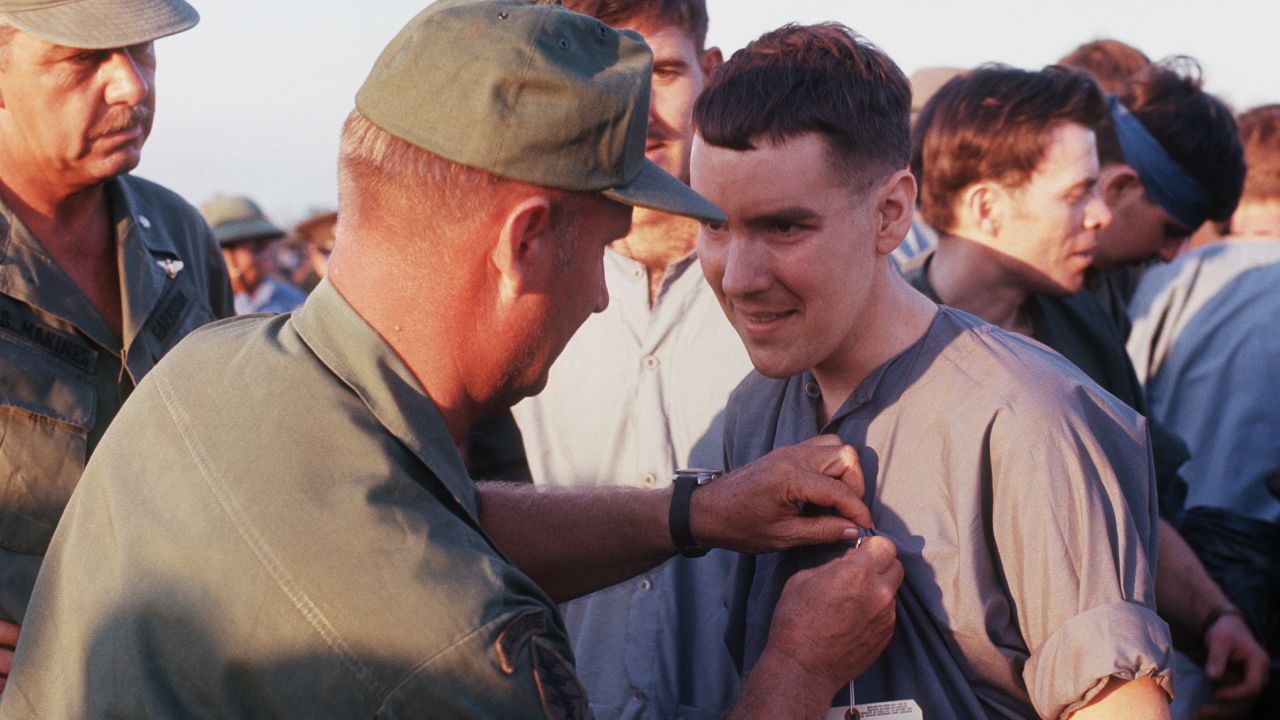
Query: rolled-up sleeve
1075,526
1121,639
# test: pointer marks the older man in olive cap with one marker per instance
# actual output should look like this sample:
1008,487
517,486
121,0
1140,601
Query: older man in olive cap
100,273
221,558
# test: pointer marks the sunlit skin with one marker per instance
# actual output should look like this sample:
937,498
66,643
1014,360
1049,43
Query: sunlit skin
680,72
1008,243
560,297
1257,218
246,263
1140,230
73,118
1049,227
801,267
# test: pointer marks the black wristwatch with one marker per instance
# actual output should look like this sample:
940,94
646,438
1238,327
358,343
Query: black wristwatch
684,483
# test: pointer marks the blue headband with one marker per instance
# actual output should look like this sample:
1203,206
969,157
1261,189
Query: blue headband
1166,182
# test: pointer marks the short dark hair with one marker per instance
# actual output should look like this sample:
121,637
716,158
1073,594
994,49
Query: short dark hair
1260,135
994,123
689,16
1194,127
822,78
1110,62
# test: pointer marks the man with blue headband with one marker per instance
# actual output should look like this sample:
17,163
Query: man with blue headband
1203,346
1171,159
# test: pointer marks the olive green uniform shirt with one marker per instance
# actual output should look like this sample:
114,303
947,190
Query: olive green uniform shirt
278,524
63,371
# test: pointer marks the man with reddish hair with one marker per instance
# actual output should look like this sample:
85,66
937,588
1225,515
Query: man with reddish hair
1023,214
1110,62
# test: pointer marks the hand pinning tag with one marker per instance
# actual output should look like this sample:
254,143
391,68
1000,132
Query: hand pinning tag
171,267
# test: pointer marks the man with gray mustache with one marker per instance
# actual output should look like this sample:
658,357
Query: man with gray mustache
101,273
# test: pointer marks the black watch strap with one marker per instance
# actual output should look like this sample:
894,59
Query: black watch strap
684,483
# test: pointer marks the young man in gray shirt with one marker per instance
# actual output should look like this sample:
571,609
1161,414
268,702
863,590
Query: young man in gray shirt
1019,494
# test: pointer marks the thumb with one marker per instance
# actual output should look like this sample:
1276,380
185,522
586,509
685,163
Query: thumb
1216,663
823,530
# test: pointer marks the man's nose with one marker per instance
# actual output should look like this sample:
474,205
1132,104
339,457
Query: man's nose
1097,214
745,269
129,81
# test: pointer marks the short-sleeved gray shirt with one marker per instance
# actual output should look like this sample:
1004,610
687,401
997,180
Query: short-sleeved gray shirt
1021,500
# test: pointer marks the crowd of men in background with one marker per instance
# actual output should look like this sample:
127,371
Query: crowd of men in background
1025,313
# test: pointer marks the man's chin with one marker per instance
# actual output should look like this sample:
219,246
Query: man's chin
118,162
771,365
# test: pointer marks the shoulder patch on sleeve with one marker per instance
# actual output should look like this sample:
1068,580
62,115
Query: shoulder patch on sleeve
517,634
563,697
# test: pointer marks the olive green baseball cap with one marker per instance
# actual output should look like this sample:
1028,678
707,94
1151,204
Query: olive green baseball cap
528,91
96,24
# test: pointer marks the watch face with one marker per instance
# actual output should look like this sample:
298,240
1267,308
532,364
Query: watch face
701,476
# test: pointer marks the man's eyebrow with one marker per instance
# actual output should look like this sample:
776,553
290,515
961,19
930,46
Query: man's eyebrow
791,214
63,52
1084,184
673,63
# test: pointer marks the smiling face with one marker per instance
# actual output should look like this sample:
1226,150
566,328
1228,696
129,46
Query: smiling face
795,266
79,116
1049,230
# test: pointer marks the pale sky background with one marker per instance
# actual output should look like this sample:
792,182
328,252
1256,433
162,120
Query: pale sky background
252,99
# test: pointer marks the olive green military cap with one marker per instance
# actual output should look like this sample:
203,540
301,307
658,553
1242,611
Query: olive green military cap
236,219
529,91
96,24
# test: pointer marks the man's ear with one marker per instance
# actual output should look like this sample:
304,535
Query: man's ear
1119,183
895,201
710,59
525,248
984,205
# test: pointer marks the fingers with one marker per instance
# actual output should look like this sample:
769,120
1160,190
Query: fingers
820,530
829,455
880,552
1255,673
8,641
1216,662
1250,683
8,633
851,475
829,492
